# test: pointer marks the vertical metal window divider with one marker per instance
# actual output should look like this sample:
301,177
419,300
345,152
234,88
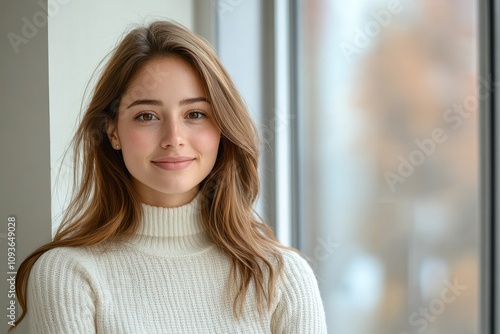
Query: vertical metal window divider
294,129
488,12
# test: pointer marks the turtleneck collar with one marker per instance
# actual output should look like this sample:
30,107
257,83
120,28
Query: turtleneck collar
171,231
180,221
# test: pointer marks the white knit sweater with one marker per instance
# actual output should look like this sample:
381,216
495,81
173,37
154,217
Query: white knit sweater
170,278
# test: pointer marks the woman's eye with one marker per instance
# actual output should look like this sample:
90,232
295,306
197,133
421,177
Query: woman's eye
196,115
146,117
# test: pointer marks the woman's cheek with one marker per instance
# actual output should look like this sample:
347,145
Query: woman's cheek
138,139
209,138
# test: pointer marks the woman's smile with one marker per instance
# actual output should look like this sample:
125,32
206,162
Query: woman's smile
173,163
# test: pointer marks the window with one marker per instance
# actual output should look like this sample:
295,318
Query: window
388,99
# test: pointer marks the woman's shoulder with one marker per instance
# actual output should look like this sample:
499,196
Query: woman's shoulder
60,259
293,261
296,274
65,253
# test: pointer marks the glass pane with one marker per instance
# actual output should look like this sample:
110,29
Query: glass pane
389,154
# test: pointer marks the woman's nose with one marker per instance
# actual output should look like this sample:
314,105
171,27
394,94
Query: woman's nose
172,134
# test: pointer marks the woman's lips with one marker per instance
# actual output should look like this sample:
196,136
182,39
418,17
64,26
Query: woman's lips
173,163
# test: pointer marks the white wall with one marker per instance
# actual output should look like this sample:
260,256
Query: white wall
81,33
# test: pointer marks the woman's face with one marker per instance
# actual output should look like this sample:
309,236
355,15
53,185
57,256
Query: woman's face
166,132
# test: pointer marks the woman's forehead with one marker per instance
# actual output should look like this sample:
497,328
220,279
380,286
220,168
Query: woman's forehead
168,78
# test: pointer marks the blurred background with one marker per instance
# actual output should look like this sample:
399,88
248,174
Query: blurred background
368,113
389,146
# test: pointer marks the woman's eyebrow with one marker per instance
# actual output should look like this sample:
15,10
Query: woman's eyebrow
158,103
146,102
193,100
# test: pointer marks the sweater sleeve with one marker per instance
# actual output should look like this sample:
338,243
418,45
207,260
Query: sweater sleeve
59,297
299,309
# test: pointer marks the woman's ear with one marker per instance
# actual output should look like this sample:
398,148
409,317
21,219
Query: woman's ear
112,132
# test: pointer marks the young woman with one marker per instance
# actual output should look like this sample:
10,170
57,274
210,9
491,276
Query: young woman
161,236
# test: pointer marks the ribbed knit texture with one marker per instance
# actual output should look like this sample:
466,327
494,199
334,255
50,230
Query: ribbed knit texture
170,278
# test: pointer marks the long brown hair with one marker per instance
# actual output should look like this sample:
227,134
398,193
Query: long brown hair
105,206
